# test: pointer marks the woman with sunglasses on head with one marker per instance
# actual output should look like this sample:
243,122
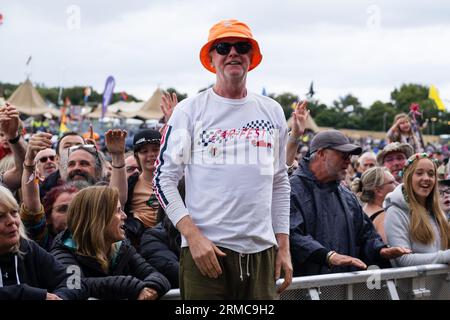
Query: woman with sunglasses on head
414,218
372,188
95,242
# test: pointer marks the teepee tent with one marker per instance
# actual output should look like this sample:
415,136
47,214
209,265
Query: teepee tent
28,101
150,110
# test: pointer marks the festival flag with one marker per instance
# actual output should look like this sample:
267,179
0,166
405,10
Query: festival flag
1,19
107,94
87,93
62,126
123,96
434,95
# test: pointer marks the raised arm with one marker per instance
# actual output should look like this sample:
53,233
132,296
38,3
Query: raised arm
30,187
299,120
115,143
9,125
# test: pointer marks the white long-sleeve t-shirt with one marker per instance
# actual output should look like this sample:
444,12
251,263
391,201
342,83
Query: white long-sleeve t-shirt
233,155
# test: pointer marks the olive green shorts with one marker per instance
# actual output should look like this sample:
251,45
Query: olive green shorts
244,276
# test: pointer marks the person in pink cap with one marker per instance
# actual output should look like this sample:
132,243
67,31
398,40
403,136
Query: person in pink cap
231,146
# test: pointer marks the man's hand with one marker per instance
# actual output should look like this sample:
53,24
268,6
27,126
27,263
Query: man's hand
38,142
148,294
9,121
52,296
394,252
115,141
168,104
343,260
283,261
205,253
299,119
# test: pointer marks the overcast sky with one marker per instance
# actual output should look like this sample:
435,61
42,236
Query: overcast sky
366,48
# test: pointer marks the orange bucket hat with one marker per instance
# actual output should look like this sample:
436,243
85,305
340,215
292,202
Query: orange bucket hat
225,29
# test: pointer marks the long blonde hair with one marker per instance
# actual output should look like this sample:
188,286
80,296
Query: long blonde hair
9,203
421,229
88,217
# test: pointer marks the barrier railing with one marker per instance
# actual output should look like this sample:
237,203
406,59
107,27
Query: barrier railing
419,282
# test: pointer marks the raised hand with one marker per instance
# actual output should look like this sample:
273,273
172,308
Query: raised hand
299,118
168,103
9,121
38,142
115,141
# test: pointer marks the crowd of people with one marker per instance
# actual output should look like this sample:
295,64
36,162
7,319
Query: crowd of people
221,202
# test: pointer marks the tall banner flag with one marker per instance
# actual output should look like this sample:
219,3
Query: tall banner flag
87,92
434,95
107,94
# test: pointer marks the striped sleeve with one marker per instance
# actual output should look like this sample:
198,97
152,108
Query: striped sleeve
170,164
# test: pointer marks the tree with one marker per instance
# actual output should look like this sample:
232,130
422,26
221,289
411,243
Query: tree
379,116
180,96
285,100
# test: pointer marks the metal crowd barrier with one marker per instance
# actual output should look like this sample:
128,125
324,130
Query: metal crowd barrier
431,282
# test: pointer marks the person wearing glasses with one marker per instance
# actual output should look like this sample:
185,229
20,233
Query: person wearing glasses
372,188
329,231
393,157
44,221
67,140
230,144
46,163
414,218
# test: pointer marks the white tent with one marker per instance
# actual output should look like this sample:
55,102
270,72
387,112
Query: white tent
150,110
28,101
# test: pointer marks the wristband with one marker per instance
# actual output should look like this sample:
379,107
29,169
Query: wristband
14,140
118,167
329,255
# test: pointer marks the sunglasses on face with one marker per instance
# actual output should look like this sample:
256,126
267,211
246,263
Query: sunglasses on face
224,48
44,159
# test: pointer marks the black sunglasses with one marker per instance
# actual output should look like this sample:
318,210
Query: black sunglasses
224,48
44,159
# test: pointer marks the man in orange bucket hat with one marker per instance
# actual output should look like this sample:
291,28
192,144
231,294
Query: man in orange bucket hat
231,146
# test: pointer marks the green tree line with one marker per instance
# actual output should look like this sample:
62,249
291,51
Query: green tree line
345,112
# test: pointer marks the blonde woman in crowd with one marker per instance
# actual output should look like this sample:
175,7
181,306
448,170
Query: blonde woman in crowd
28,272
374,185
414,217
95,242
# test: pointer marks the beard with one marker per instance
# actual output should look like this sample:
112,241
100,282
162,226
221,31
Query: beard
88,178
